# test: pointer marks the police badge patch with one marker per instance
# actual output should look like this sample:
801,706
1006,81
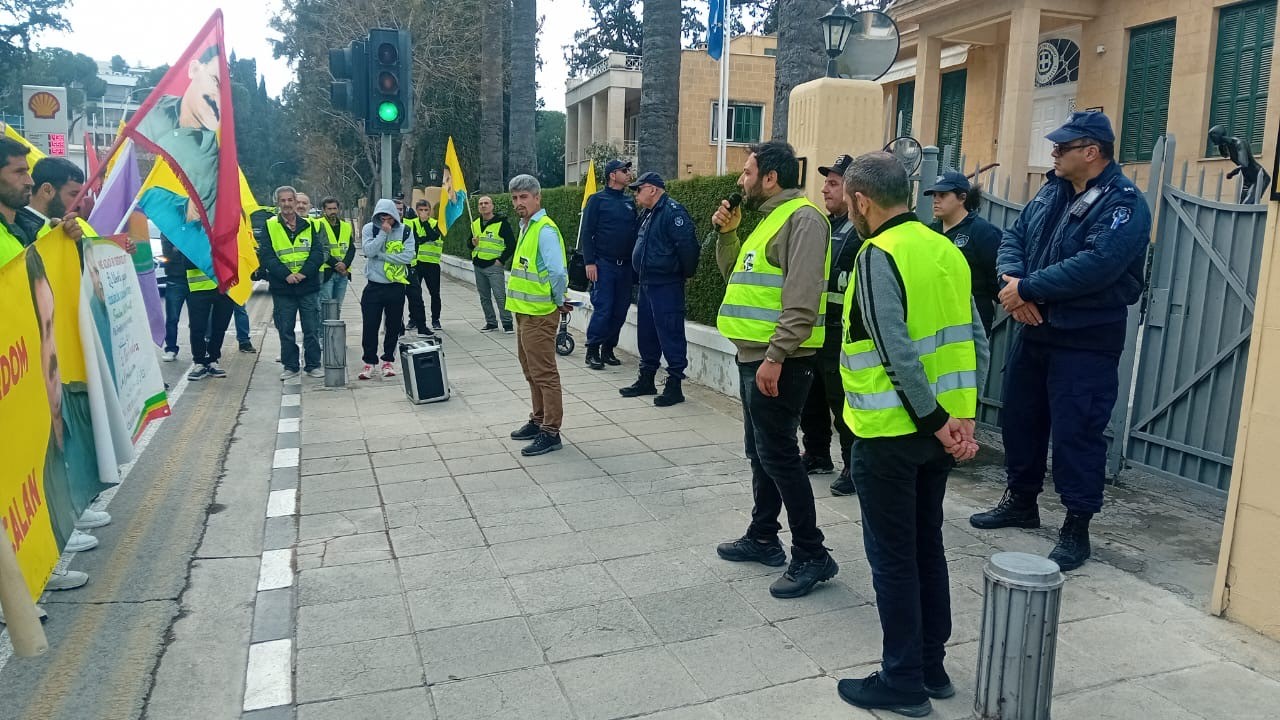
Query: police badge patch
1120,217
679,222
960,240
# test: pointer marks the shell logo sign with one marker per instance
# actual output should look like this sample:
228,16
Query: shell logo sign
44,105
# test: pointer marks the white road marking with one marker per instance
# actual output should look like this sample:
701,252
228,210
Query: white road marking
285,458
276,570
282,503
292,400
288,425
269,679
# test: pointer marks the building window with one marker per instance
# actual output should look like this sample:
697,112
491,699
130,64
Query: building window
1146,90
1242,70
746,123
771,52
906,101
1057,62
951,118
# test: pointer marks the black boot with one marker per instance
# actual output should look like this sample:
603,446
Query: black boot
670,393
1014,510
593,357
608,358
843,485
1073,542
643,386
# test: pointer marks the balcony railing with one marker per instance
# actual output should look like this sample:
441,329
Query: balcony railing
615,61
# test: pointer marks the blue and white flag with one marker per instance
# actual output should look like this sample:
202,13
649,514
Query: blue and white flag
715,29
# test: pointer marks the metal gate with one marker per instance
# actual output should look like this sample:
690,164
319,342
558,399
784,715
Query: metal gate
1195,337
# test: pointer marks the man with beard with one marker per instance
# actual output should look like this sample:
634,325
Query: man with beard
55,184
15,193
773,312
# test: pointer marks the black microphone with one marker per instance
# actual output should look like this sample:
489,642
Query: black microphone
735,199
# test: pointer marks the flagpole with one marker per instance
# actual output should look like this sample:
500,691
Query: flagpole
722,119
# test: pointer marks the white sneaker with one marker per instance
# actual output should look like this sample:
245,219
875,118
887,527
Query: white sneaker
388,370
80,541
316,372
91,519
366,373
66,580
169,356
289,374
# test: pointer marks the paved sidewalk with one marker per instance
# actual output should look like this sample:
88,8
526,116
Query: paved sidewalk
442,575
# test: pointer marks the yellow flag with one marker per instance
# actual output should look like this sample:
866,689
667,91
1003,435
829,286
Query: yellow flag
12,134
453,190
589,185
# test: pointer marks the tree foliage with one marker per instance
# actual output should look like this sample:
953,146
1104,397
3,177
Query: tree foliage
265,145
22,20
55,67
614,26
550,129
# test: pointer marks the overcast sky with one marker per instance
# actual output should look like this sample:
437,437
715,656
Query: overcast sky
155,32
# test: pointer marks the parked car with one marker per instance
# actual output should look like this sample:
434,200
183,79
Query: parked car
157,252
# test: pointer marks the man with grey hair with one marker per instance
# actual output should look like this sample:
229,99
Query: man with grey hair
536,295
913,355
292,251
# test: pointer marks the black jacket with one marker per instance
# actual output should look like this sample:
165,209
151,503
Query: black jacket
667,245
979,240
508,241
608,227
277,272
175,263
350,256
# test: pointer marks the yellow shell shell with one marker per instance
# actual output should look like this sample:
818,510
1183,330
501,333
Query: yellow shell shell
44,105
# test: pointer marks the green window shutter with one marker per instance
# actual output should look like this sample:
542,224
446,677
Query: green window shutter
906,101
1146,91
951,114
1242,70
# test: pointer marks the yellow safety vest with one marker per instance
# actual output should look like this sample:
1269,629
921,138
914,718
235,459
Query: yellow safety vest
940,322
428,251
292,254
490,245
10,245
753,297
529,286
395,272
197,280
339,245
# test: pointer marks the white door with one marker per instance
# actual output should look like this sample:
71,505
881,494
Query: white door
1049,110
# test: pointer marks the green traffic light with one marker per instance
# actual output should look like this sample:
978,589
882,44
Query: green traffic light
388,112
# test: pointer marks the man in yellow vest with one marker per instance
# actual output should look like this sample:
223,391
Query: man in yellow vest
426,237
492,245
292,253
913,355
536,294
208,315
342,252
15,193
773,312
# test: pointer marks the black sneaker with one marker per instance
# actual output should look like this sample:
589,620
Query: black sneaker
871,693
608,358
843,485
802,575
507,329
1014,510
543,444
748,549
214,371
528,431
435,325
937,683
199,372
247,347
815,465
488,328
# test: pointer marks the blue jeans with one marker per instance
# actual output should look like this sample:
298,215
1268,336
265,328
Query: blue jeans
287,310
610,299
660,327
242,324
901,483
335,288
175,296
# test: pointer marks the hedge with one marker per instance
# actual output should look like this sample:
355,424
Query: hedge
700,195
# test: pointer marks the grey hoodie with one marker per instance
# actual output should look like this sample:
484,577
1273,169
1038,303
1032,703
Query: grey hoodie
374,244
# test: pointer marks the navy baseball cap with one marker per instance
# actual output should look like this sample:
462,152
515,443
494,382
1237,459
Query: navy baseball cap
1093,125
615,165
649,178
838,167
950,181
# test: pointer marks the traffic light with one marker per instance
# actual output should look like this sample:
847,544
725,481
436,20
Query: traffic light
390,83
349,92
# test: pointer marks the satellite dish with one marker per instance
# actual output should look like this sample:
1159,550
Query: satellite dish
908,151
872,47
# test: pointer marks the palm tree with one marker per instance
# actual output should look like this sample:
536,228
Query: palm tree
521,140
801,54
496,24
659,137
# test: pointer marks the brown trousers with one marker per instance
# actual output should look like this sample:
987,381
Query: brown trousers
536,347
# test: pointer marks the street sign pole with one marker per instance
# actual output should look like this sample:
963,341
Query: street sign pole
387,190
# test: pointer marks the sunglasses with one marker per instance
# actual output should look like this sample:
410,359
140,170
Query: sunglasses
1063,148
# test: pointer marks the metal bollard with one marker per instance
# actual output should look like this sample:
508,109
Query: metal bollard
329,309
1019,637
335,352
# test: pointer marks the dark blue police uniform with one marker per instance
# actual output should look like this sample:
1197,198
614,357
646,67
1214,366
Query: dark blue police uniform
666,254
608,236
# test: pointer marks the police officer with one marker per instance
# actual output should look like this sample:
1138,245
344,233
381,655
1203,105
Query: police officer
955,213
666,255
826,399
1069,266
773,313
608,236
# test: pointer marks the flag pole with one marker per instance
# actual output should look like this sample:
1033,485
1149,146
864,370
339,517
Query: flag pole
722,119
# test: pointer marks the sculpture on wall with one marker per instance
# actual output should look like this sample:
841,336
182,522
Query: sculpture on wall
1237,151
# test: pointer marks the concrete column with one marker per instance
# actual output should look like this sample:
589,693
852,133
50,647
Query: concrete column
572,150
1013,147
924,108
599,118
615,115
827,117
584,127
